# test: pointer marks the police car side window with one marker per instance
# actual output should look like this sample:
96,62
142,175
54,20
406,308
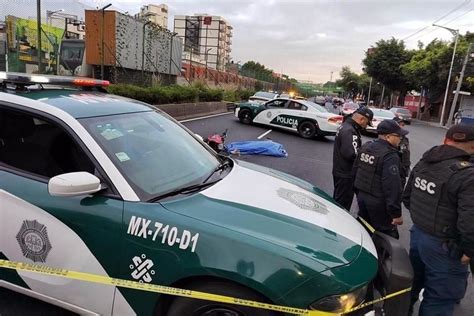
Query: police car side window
296,106
276,104
38,146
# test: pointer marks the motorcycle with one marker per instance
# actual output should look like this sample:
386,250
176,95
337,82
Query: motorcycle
217,142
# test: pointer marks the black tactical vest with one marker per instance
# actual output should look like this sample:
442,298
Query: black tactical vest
370,167
430,207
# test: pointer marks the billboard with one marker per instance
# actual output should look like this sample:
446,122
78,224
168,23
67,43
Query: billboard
22,44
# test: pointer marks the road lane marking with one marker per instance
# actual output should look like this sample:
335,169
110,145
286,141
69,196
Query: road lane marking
264,134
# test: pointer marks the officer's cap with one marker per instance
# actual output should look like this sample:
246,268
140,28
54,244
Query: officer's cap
366,112
390,127
461,133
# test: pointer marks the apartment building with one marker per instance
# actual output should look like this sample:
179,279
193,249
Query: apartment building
157,14
209,36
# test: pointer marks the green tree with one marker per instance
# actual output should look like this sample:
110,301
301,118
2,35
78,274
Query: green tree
349,80
429,66
384,63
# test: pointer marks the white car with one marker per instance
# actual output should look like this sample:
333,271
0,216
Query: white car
379,116
307,118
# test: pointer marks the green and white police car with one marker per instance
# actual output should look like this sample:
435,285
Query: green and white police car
102,184
306,118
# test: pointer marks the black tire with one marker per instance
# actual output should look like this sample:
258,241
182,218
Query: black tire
245,116
307,129
193,307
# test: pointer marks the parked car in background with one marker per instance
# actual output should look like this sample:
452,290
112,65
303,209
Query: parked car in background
403,114
349,108
379,116
263,96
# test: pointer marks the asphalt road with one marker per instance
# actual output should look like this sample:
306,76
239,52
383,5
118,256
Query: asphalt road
310,160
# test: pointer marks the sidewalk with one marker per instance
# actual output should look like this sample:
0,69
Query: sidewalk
429,123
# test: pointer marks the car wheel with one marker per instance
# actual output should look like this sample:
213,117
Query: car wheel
307,129
194,307
245,116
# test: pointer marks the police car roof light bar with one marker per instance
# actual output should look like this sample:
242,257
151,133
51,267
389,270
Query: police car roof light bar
32,79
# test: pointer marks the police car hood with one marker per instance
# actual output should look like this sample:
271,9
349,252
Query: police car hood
444,152
283,210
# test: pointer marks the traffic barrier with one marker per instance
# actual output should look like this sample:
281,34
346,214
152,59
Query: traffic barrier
101,279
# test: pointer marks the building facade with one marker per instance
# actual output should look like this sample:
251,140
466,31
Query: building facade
157,14
206,35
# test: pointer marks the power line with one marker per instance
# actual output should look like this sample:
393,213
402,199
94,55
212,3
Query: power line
437,20
446,23
458,17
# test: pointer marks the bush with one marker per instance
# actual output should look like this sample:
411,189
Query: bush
171,94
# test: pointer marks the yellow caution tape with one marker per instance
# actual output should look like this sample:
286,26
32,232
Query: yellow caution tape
367,225
101,279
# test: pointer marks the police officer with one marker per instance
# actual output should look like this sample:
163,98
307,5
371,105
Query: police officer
440,197
404,152
377,179
346,145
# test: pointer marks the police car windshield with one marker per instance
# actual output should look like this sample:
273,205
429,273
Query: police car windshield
268,95
153,153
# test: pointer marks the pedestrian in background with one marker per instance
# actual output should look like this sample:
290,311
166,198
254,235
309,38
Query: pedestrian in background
404,152
346,145
440,197
377,179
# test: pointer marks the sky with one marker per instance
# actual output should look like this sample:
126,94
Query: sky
306,40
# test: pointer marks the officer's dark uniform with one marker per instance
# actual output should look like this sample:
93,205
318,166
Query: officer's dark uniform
346,145
404,152
378,186
440,197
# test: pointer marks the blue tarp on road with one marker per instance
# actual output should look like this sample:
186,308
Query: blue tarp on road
257,147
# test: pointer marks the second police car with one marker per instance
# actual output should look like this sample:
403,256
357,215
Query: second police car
102,184
306,118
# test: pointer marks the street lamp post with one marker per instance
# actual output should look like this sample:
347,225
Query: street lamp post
381,98
143,47
370,89
458,88
38,44
171,54
456,36
207,52
102,41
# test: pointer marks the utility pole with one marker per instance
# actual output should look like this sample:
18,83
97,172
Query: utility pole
143,47
381,98
102,41
370,88
38,35
456,36
418,113
461,77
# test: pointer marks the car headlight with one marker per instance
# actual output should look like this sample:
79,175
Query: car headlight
340,303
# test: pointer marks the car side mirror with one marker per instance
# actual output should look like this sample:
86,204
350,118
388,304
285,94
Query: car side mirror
74,184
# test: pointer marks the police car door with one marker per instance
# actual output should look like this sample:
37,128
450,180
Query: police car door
292,115
273,109
79,233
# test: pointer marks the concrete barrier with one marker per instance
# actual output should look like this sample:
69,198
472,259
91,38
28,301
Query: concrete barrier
184,111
